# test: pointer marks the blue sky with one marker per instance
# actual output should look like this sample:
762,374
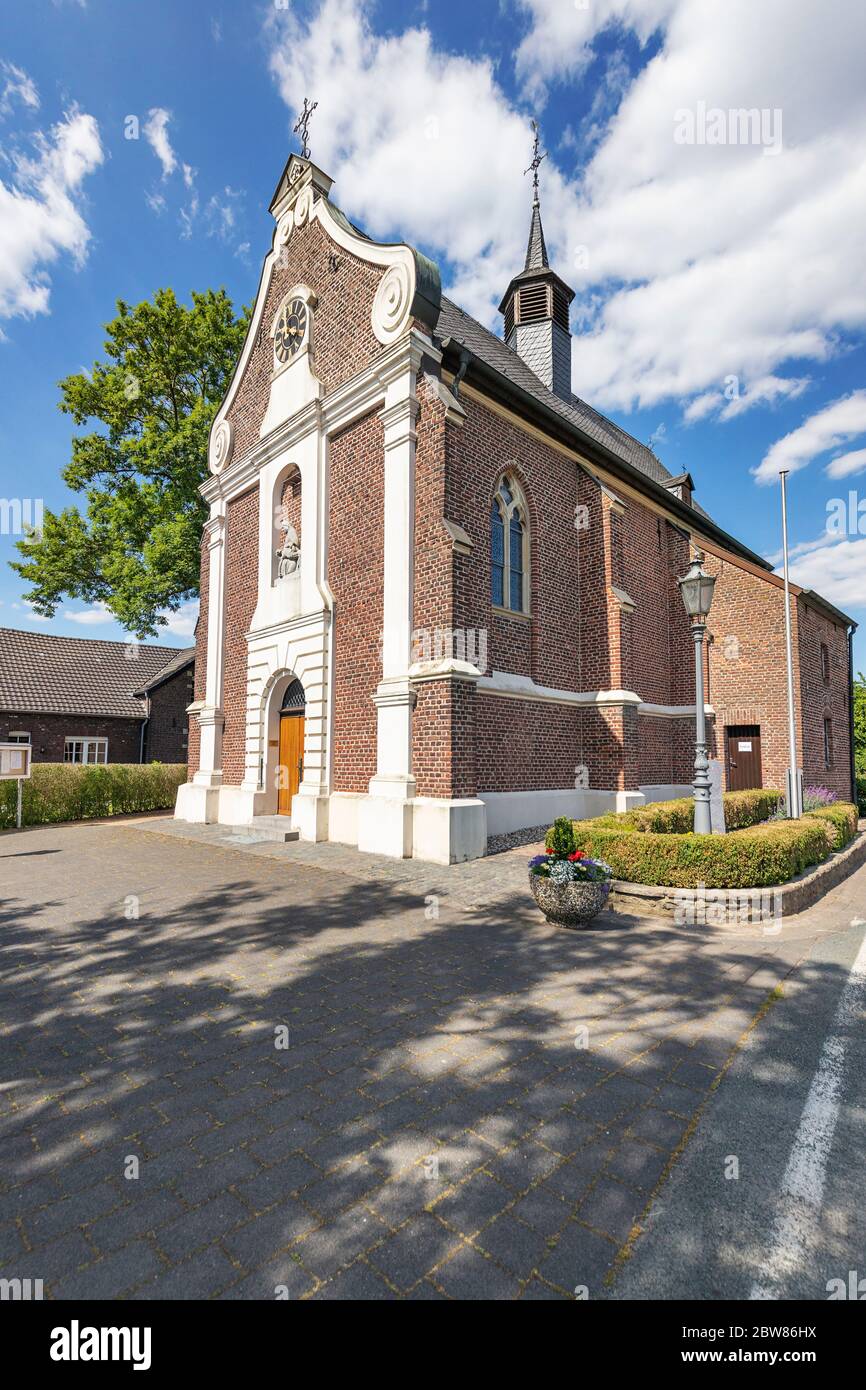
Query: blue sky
721,290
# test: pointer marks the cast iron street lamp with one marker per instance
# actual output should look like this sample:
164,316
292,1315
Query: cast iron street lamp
697,588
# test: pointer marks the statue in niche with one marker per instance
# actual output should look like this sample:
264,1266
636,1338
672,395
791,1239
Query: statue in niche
289,553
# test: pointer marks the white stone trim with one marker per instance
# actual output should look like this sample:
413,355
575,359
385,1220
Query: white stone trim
514,687
461,541
626,603
673,711
454,411
447,668
392,303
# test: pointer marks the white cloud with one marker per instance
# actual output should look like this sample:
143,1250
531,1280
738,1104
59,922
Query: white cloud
221,212
836,571
87,617
836,424
41,211
703,261
17,86
422,144
845,464
156,134
559,42
30,614
181,623
765,390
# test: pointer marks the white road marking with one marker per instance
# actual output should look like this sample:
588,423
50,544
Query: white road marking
802,1190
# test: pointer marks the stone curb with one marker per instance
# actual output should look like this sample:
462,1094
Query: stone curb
785,900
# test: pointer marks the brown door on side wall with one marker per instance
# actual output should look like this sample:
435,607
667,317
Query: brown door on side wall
291,767
743,743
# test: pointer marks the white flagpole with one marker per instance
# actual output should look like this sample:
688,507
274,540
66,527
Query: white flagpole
795,810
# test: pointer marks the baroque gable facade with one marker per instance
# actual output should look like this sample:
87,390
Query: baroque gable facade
439,593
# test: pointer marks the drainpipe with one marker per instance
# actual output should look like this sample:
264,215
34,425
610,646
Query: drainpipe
851,714
144,723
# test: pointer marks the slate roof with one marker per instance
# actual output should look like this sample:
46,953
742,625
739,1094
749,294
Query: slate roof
536,247
41,673
455,323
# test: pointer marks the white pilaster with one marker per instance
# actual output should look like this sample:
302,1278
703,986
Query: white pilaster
198,800
385,820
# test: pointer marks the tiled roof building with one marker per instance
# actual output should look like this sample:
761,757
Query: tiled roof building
439,589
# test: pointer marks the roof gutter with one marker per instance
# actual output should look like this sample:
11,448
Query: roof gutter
510,394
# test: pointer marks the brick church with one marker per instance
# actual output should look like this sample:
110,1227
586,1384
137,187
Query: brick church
438,590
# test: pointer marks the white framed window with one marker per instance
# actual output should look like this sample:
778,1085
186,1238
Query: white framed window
18,736
86,750
509,547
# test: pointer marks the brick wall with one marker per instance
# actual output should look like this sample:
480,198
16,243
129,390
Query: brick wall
48,733
666,750
746,661
356,577
824,699
579,637
242,558
343,338
166,737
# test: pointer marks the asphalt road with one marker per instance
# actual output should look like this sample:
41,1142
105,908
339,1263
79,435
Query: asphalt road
767,1201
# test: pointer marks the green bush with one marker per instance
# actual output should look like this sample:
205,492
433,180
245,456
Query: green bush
561,836
861,795
656,845
754,858
67,791
839,820
742,809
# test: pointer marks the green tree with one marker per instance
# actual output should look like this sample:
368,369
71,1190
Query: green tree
135,547
860,724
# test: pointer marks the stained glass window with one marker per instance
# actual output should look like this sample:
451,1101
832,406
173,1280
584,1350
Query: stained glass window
515,569
497,555
508,563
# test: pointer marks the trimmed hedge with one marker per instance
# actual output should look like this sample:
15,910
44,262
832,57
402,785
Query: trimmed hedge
661,850
742,809
67,791
755,858
840,822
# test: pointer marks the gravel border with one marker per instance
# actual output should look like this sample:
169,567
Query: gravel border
498,844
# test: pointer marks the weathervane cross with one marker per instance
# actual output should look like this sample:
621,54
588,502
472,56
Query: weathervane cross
536,160
302,127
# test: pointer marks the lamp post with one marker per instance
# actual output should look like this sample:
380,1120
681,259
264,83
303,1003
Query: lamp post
696,587
795,810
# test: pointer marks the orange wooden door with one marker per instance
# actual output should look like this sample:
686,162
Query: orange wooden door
291,760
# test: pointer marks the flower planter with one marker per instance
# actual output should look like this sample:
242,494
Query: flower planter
568,904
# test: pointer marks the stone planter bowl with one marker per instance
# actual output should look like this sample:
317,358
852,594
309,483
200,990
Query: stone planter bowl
568,904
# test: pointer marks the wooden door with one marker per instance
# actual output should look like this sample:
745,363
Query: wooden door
744,757
291,760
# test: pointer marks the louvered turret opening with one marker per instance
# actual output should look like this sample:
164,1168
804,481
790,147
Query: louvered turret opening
533,303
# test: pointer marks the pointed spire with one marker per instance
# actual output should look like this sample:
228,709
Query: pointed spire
536,248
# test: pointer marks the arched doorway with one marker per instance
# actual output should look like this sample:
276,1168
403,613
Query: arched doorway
291,765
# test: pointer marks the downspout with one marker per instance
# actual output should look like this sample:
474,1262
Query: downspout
851,715
144,723
327,594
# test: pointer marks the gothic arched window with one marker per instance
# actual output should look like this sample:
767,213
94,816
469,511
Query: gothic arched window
509,547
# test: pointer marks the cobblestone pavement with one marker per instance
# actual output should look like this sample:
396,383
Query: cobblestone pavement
470,1104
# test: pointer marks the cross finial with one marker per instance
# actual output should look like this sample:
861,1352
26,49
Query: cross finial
302,127
536,161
